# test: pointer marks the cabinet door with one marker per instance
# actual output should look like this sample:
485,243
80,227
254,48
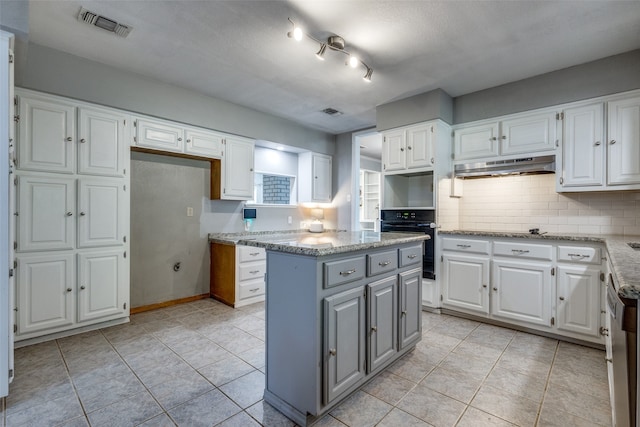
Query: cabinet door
102,285
466,281
321,185
476,142
420,147
578,299
344,342
46,213
528,134
583,146
393,155
410,307
102,144
624,142
45,292
522,291
102,209
238,169
159,136
46,135
203,143
382,298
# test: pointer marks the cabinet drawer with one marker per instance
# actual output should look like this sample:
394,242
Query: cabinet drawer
466,245
255,270
523,250
382,262
580,254
410,256
343,271
251,289
251,253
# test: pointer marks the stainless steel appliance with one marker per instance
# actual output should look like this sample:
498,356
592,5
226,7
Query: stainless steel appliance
419,220
621,344
526,165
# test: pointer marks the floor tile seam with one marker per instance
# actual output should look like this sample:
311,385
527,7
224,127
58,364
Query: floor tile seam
483,411
547,383
73,385
413,387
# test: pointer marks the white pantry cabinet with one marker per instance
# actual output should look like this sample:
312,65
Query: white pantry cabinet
101,142
101,285
314,178
102,208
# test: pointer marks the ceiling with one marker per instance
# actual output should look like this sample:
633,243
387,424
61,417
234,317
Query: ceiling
239,50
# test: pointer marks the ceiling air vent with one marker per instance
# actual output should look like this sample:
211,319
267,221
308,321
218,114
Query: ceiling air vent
103,22
332,112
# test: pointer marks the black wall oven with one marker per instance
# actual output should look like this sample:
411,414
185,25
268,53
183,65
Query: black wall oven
419,220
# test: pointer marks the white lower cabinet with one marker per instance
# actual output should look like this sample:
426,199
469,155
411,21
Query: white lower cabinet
101,285
551,287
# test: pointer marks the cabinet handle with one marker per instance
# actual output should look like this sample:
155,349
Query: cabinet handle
254,290
254,253
254,271
82,214
464,246
82,141
69,139
519,251
69,289
578,256
69,214
333,351
613,141
493,138
561,298
495,289
412,256
597,143
374,328
83,287
384,263
408,147
348,272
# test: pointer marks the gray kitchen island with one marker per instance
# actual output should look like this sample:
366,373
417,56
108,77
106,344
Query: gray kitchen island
340,307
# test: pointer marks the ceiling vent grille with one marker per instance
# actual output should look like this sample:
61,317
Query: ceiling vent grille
103,22
332,112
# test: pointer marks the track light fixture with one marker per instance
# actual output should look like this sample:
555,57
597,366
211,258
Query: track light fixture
335,43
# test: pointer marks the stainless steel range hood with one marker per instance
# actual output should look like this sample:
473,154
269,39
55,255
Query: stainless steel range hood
526,165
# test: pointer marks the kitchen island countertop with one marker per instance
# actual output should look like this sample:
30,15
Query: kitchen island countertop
624,259
319,244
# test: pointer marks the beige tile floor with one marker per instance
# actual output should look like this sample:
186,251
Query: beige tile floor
202,364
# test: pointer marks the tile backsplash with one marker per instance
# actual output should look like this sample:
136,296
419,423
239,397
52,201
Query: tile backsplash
518,203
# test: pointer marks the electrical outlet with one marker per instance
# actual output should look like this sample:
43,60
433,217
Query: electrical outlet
303,225
189,211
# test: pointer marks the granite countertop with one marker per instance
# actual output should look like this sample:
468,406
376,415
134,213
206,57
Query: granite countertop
318,244
624,259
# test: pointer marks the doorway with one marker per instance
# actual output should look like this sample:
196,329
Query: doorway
366,178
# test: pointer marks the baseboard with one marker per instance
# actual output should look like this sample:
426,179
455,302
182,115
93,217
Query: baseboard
143,308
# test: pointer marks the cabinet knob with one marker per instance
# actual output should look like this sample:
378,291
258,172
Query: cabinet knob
597,143
188,141
83,287
408,147
374,328
613,141
493,138
69,213
561,298
495,289
333,352
504,136
69,289
179,139
402,149
82,214
484,286
69,139
82,141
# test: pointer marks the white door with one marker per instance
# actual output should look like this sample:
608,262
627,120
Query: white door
578,299
238,169
203,143
420,146
46,213
101,284
47,134
45,292
624,142
101,143
466,281
583,146
321,186
476,142
522,291
159,136
393,154
528,134
101,212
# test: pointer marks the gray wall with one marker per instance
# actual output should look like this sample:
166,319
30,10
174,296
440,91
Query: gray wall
60,73
618,73
161,232
342,180
435,104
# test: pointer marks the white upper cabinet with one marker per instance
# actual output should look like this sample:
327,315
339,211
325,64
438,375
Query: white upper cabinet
521,134
101,147
624,142
237,169
101,212
410,147
314,178
47,133
582,156
46,213
159,135
203,143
